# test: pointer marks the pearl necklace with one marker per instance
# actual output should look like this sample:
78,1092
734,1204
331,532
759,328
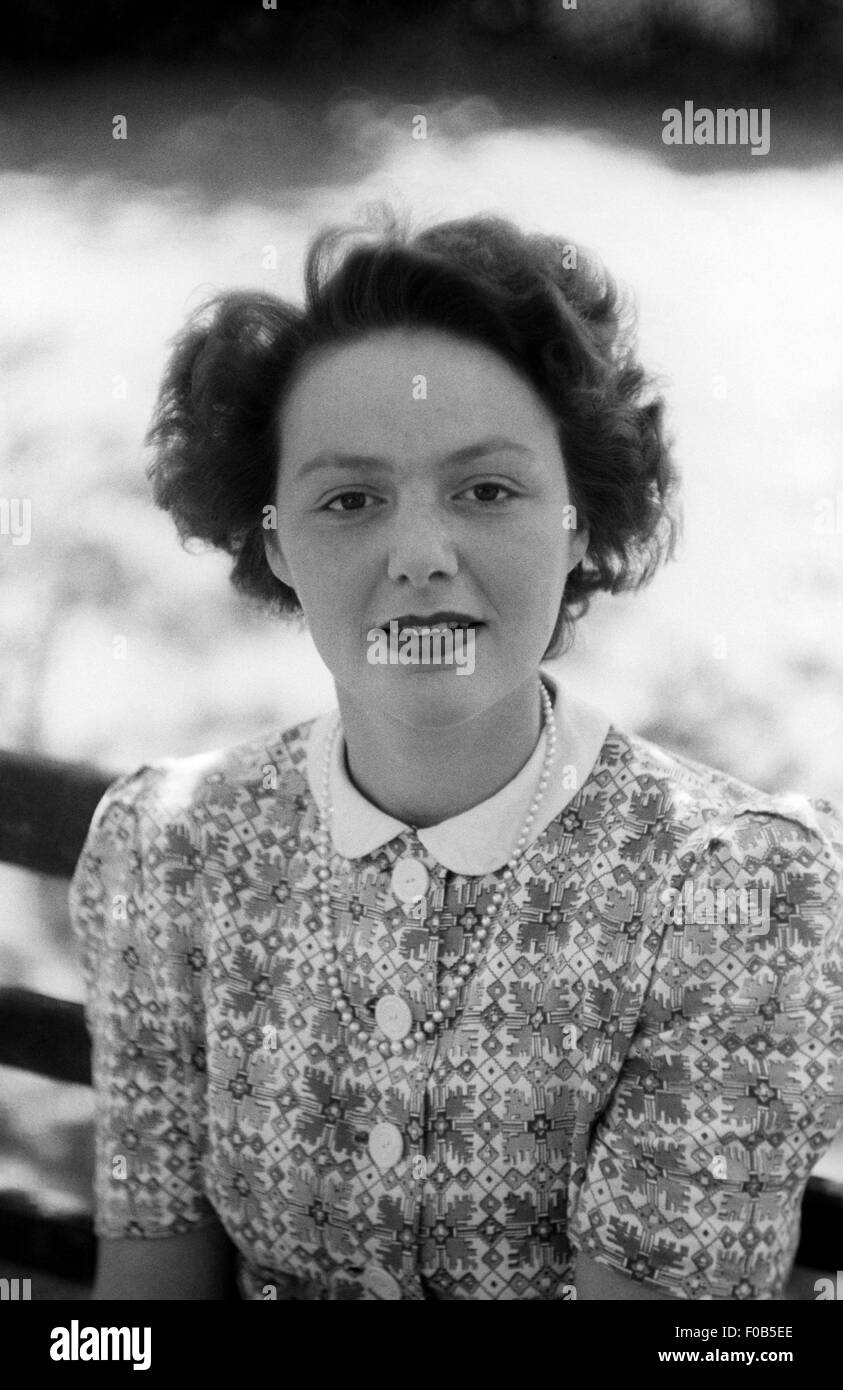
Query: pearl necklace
450,993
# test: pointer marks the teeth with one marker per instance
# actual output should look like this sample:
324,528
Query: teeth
440,627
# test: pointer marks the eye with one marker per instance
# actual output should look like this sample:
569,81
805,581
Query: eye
355,500
487,488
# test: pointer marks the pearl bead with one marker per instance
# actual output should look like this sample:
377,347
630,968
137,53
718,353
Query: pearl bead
385,1048
429,1027
396,1048
437,1015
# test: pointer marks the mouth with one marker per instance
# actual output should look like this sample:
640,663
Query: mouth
426,624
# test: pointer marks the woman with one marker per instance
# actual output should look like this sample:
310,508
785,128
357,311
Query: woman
459,991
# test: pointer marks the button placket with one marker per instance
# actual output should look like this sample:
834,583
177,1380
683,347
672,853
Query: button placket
412,892
386,1146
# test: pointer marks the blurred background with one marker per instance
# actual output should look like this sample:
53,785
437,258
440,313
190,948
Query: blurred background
249,125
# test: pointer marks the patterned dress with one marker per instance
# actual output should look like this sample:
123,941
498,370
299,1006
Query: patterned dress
645,1065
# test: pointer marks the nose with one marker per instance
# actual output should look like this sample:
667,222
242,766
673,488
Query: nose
420,546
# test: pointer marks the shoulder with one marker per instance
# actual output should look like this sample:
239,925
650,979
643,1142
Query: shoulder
741,880
708,807
750,914
144,845
173,794
687,789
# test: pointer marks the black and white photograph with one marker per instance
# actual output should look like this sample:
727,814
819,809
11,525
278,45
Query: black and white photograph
421,699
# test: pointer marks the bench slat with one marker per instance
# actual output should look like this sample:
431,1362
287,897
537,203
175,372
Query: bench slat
43,1035
46,807
63,1243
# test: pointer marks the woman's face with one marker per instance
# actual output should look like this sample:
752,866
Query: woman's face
420,473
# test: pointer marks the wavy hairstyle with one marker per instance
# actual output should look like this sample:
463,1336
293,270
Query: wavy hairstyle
545,305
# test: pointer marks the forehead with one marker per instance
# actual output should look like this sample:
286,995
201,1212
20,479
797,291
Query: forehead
405,384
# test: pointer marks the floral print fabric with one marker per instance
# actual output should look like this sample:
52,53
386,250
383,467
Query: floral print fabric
629,1073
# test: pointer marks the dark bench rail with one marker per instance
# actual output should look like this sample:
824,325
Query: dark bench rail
46,807
821,1239
62,1244
44,1035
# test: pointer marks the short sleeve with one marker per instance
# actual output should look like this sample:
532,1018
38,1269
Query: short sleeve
132,908
732,1087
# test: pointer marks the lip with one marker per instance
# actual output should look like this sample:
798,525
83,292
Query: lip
442,615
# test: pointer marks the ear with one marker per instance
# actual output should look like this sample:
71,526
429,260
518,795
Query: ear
579,545
275,557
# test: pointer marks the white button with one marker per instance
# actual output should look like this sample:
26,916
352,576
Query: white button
393,1017
409,880
385,1145
381,1283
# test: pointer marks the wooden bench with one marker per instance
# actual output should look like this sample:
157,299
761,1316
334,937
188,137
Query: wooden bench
46,806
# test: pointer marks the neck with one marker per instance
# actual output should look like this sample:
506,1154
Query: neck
423,776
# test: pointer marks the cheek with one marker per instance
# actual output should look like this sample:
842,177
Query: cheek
305,552
528,567
328,583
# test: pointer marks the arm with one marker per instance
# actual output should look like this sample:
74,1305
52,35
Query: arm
199,1265
133,911
728,1091
599,1281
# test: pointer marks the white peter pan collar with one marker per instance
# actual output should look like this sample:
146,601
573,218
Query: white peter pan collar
480,840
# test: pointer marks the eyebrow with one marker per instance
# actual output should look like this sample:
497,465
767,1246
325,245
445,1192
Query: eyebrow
329,458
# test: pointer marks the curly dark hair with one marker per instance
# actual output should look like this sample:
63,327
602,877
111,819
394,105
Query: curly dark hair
545,305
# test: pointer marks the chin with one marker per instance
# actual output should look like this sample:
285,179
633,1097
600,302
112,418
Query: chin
430,698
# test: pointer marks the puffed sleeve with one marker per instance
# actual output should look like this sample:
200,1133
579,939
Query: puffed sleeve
732,1087
132,908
